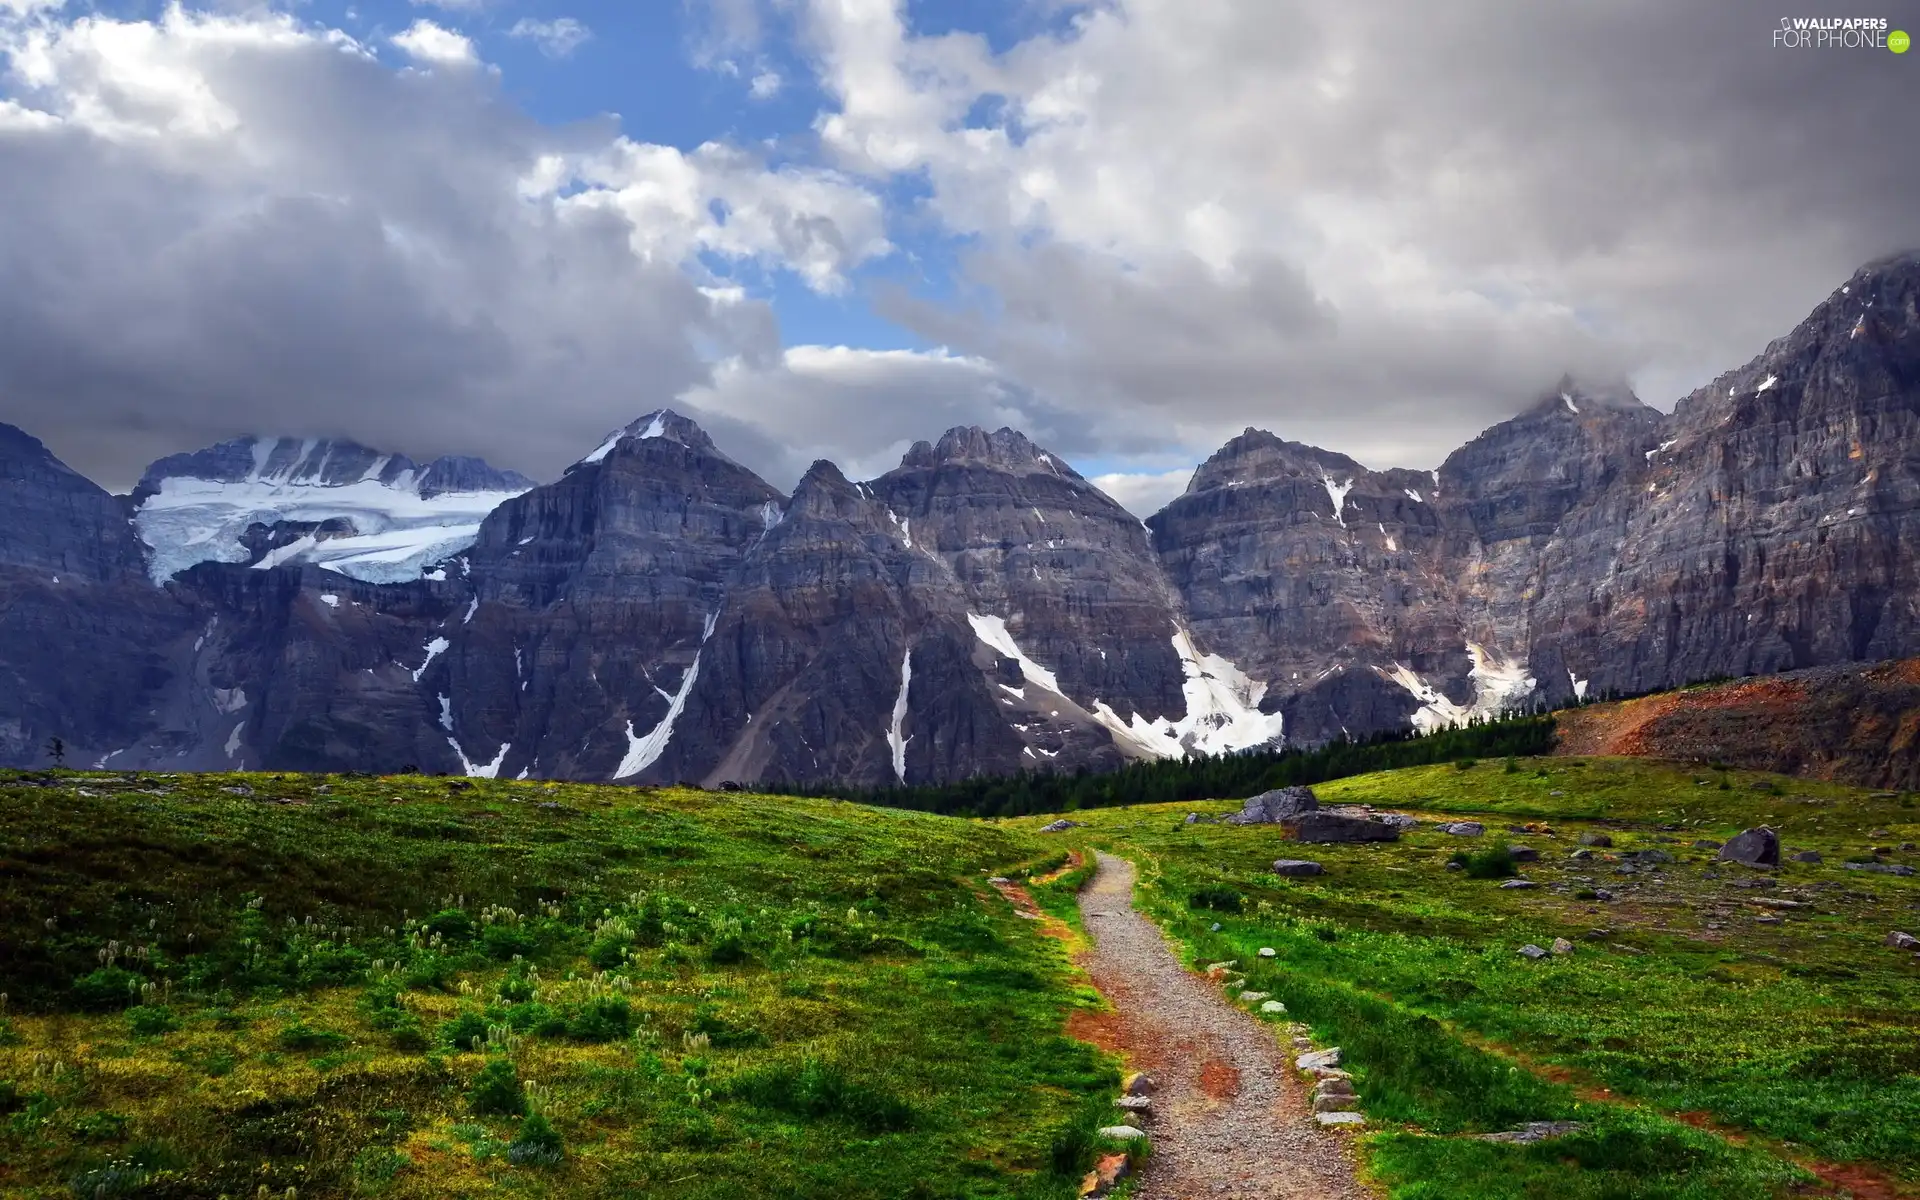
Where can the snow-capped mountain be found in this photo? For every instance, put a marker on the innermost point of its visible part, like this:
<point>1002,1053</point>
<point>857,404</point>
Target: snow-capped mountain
<point>268,502</point>
<point>661,613</point>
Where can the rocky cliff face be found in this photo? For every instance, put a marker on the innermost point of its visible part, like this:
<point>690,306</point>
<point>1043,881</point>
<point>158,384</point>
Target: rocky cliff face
<point>660,613</point>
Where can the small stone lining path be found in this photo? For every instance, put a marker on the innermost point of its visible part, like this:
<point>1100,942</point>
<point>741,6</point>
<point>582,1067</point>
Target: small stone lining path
<point>1229,1118</point>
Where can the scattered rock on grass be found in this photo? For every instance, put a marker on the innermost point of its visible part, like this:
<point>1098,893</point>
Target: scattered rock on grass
<point>1269,808</point>
<point>1807,856</point>
<point>1340,1118</point>
<point>1757,847</point>
<point>1325,827</point>
<point>1273,1006</point>
<point>1269,952</point>
<point>1138,1084</point>
<point>1297,867</point>
<point>1105,1176</point>
<point>1562,946</point>
<point>1313,1059</point>
<point>1595,839</point>
<point>1511,884</point>
<point>1533,1131</point>
<point>1523,854</point>
<point>1532,951</point>
<point>1137,1104</point>
<point>1121,1133</point>
<point>1061,826</point>
<point>1463,828</point>
<point>1903,941</point>
<point>1880,868</point>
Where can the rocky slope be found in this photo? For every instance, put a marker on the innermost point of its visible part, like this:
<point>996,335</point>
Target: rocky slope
<point>1850,724</point>
<point>661,613</point>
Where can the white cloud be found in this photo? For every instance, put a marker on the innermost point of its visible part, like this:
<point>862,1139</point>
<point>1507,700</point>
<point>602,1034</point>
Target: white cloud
<point>861,408</point>
<point>765,85</point>
<point>557,38</point>
<point>1144,494</point>
<point>467,6</point>
<point>1211,213</point>
<point>424,41</point>
<point>218,225</point>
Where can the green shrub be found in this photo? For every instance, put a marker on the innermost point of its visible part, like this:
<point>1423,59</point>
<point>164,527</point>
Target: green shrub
<point>823,1091</point>
<point>516,988</point>
<point>608,953</point>
<point>304,1038</point>
<point>458,1034</point>
<point>106,988</point>
<point>428,973</point>
<point>1466,764</point>
<point>729,949</point>
<point>502,942</point>
<point>537,1144</point>
<point>496,1091</point>
<point>1512,767</point>
<point>408,1034</point>
<point>151,1020</point>
<point>1218,899</point>
<point>1493,863</point>
<point>452,924</point>
<point>606,1019</point>
<point>101,1127</point>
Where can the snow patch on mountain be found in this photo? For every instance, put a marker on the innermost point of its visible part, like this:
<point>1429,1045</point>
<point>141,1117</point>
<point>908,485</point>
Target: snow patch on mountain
<point>895,736</point>
<point>993,631</point>
<point>1337,492</point>
<point>1499,686</point>
<point>1223,711</point>
<point>480,770</point>
<point>380,525</point>
<point>643,750</point>
<point>434,649</point>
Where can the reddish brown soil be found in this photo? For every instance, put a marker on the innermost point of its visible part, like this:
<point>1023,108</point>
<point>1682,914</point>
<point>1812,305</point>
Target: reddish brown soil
<point>1219,1080</point>
<point>1852,724</point>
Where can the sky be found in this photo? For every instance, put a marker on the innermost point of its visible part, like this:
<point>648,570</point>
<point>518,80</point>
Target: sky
<point>830,228</point>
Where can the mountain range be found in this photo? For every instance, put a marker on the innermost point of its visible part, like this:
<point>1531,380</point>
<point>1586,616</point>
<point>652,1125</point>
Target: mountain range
<point>660,613</point>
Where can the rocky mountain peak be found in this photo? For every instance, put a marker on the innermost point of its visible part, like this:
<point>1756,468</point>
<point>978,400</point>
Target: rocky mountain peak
<point>1257,456</point>
<point>662,423</point>
<point>1576,398</point>
<point>54,520</point>
<point>1008,449</point>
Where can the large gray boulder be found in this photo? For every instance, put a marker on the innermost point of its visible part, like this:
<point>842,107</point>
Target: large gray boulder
<point>1758,847</point>
<point>1270,808</point>
<point>1332,827</point>
<point>1296,867</point>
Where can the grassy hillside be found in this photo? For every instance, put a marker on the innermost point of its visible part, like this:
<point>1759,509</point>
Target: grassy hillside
<point>409,987</point>
<point>1775,1010</point>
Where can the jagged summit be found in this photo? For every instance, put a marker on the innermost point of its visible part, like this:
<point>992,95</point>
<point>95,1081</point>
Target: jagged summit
<point>1574,398</point>
<point>1257,456</point>
<point>325,462</point>
<point>1005,448</point>
<point>663,423</point>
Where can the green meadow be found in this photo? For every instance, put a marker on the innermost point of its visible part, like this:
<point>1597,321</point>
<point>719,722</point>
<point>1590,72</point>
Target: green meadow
<point>328,986</point>
<point>1699,998</point>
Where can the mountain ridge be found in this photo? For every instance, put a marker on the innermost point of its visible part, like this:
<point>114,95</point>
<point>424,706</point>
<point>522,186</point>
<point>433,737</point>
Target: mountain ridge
<point>660,612</point>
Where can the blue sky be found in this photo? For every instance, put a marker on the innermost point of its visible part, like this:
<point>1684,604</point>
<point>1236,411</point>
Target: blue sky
<point>828,228</point>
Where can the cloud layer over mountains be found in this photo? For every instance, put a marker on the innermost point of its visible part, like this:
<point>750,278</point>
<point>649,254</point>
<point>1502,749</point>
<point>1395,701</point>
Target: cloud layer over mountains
<point>1132,228</point>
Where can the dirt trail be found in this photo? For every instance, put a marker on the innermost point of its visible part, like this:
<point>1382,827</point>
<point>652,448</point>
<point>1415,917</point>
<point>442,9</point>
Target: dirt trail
<point>1229,1119</point>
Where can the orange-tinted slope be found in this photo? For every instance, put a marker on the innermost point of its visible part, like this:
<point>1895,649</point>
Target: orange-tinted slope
<point>1854,724</point>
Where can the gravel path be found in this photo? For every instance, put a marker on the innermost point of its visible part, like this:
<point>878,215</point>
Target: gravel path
<point>1229,1118</point>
